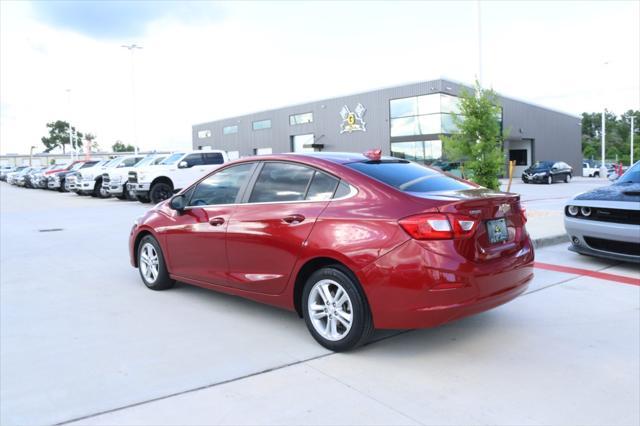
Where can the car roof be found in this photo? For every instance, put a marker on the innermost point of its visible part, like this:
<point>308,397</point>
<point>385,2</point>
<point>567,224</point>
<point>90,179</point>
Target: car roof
<point>334,157</point>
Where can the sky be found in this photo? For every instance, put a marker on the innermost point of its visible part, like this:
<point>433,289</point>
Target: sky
<point>202,61</point>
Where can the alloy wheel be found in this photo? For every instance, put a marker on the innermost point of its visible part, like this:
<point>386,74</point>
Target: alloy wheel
<point>330,310</point>
<point>149,263</point>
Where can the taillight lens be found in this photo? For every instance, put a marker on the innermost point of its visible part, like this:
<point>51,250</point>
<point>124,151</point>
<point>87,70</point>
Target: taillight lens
<point>523,213</point>
<point>439,226</point>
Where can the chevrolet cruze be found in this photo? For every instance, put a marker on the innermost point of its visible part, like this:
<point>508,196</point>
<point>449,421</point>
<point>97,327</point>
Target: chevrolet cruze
<point>351,242</point>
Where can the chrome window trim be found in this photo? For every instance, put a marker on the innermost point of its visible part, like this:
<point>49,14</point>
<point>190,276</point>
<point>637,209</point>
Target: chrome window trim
<point>352,192</point>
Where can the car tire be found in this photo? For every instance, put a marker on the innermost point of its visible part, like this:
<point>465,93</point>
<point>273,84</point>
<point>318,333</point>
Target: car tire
<point>159,192</point>
<point>567,178</point>
<point>596,174</point>
<point>328,323</point>
<point>123,195</point>
<point>549,180</point>
<point>151,265</point>
<point>143,198</point>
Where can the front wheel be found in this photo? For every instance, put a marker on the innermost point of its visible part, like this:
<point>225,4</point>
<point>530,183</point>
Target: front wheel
<point>153,269</point>
<point>160,191</point>
<point>596,174</point>
<point>335,310</point>
<point>549,180</point>
<point>567,178</point>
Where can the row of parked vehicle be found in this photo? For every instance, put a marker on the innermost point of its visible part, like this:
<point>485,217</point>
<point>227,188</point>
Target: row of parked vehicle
<point>146,178</point>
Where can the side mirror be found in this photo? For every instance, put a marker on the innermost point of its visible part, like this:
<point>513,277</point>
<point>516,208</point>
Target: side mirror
<point>178,203</point>
<point>183,165</point>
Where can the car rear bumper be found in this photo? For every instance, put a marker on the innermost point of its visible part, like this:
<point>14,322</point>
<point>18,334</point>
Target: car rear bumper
<point>412,287</point>
<point>612,239</point>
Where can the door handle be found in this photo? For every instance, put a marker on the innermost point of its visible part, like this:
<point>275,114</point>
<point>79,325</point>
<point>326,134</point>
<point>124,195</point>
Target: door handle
<point>293,219</point>
<point>216,221</point>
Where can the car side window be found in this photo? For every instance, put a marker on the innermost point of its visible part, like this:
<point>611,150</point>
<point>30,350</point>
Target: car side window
<point>322,187</point>
<point>213,158</point>
<point>194,160</point>
<point>343,190</point>
<point>281,182</point>
<point>129,162</point>
<point>221,187</point>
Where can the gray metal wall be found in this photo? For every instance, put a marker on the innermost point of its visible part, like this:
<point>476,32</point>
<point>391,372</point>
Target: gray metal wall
<point>556,135</point>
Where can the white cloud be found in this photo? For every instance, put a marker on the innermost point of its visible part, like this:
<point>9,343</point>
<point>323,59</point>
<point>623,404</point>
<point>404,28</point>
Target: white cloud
<point>264,55</point>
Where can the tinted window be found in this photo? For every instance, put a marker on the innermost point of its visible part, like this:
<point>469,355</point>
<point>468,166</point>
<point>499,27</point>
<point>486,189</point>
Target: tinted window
<point>221,187</point>
<point>631,176</point>
<point>281,182</point>
<point>213,158</point>
<point>194,160</point>
<point>89,164</point>
<point>322,187</point>
<point>343,190</point>
<point>173,158</point>
<point>408,177</point>
<point>130,162</point>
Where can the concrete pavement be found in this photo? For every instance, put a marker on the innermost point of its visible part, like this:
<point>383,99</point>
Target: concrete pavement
<point>82,339</point>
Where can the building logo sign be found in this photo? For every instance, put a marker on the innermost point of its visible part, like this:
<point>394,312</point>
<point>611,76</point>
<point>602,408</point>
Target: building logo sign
<point>353,121</point>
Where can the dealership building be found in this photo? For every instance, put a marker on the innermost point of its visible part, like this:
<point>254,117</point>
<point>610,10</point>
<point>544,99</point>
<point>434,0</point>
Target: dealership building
<point>406,121</point>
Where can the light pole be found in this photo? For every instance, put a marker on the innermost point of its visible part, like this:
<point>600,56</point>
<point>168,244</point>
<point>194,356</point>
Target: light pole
<point>603,133</point>
<point>31,154</point>
<point>479,28</point>
<point>70,131</point>
<point>631,154</point>
<point>132,48</point>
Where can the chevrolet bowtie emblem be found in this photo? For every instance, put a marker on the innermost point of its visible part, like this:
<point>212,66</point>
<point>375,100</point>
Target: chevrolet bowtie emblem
<point>504,208</point>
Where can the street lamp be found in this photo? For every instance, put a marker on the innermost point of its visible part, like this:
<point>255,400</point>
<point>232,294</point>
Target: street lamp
<point>132,48</point>
<point>603,133</point>
<point>70,131</point>
<point>31,154</point>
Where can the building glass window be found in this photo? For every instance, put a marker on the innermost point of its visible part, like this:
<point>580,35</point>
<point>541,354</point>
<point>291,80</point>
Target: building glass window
<point>303,118</point>
<point>405,107</point>
<point>204,134</point>
<point>229,130</point>
<point>406,126</point>
<point>430,124</point>
<point>449,104</point>
<point>420,151</point>
<point>262,124</point>
<point>262,151</point>
<point>429,104</point>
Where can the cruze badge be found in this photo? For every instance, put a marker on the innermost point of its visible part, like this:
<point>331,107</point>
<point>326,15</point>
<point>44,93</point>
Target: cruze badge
<point>504,208</point>
<point>353,120</point>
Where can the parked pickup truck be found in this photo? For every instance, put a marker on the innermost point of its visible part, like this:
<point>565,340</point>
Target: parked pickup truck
<point>177,171</point>
<point>89,181</point>
<point>114,180</point>
<point>589,170</point>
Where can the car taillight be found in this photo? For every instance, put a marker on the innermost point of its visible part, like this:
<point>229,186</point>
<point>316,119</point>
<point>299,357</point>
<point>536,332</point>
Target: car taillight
<point>439,226</point>
<point>523,213</point>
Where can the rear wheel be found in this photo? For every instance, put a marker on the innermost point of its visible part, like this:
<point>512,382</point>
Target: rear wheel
<point>160,191</point>
<point>151,265</point>
<point>335,310</point>
<point>596,174</point>
<point>567,178</point>
<point>143,198</point>
<point>549,180</point>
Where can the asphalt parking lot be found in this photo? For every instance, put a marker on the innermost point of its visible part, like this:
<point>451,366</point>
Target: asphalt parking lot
<point>83,341</point>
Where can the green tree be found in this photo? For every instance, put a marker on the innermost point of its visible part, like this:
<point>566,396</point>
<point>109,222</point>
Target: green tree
<point>91,141</point>
<point>618,138</point>
<point>478,141</point>
<point>120,147</point>
<point>59,136</point>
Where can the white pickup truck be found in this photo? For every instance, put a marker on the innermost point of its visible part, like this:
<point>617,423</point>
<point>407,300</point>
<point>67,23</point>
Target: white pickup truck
<point>590,171</point>
<point>114,181</point>
<point>177,171</point>
<point>89,181</point>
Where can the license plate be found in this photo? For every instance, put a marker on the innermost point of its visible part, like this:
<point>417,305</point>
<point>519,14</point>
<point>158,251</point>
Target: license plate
<point>497,230</point>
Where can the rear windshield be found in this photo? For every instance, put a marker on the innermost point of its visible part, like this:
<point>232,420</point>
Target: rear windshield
<point>173,158</point>
<point>408,177</point>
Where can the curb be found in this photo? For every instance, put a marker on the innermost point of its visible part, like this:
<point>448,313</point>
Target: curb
<point>550,241</point>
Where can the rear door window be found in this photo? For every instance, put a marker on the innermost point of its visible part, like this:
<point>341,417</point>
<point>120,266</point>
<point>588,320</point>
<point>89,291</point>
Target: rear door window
<point>194,160</point>
<point>408,177</point>
<point>213,158</point>
<point>281,182</point>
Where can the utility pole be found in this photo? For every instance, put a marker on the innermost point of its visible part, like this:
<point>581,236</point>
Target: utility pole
<point>132,48</point>
<point>603,167</point>
<point>632,131</point>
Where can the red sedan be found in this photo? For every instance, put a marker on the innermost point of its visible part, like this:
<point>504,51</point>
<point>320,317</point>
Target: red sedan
<point>351,242</point>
